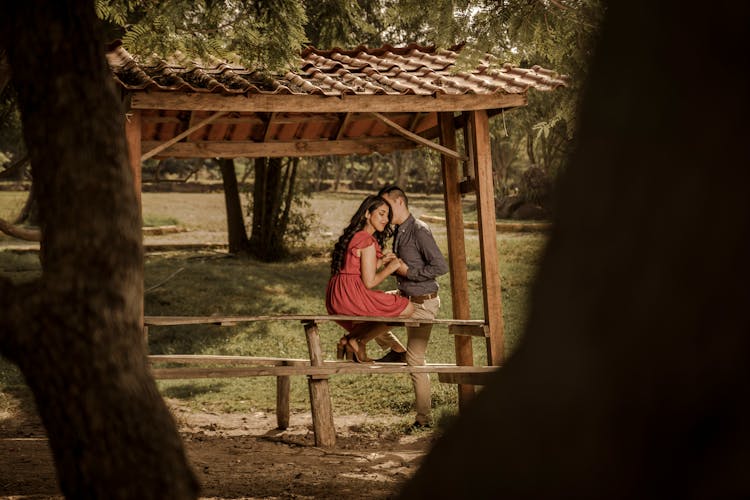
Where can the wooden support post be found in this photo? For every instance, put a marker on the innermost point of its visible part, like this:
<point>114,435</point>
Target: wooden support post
<point>133,139</point>
<point>493,306</point>
<point>456,249</point>
<point>320,395</point>
<point>471,153</point>
<point>283,384</point>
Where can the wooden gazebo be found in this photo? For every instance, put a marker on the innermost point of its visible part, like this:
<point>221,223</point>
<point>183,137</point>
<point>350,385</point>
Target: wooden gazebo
<point>342,102</point>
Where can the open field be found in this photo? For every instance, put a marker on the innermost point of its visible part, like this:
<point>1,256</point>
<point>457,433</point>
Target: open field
<point>370,411</point>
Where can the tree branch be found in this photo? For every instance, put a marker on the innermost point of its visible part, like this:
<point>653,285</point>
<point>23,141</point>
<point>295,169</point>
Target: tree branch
<point>19,232</point>
<point>14,168</point>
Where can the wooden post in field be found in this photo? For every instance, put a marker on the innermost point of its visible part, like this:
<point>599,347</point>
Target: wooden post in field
<point>479,135</point>
<point>283,384</point>
<point>456,249</point>
<point>320,395</point>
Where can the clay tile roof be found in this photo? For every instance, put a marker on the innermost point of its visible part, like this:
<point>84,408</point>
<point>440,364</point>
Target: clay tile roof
<point>412,69</point>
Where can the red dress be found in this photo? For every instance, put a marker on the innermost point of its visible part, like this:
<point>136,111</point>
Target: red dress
<point>347,294</point>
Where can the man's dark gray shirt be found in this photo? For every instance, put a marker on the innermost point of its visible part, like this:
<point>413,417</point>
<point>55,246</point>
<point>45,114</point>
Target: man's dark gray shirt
<point>415,245</point>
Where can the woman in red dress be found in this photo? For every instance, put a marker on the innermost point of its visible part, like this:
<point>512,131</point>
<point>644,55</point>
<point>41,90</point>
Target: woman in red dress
<point>357,265</point>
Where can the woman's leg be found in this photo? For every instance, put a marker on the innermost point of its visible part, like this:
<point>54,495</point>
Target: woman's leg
<point>361,335</point>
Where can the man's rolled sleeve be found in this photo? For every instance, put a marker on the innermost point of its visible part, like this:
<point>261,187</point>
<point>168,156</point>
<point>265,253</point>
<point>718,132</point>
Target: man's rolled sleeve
<point>435,264</point>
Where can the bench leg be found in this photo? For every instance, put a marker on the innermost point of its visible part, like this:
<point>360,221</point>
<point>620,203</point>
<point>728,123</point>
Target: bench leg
<point>322,412</point>
<point>320,395</point>
<point>282,402</point>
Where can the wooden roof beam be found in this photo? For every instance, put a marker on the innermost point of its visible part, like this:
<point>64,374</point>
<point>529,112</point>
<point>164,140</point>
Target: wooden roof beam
<point>250,149</point>
<point>292,103</point>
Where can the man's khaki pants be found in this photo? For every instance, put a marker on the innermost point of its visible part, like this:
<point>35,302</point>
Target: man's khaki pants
<point>416,347</point>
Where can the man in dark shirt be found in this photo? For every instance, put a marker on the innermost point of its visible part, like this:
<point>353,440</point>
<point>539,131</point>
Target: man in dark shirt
<point>422,264</point>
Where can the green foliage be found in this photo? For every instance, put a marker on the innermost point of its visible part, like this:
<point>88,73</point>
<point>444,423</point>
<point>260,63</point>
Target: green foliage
<point>337,23</point>
<point>12,144</point>
<point>266,34</point>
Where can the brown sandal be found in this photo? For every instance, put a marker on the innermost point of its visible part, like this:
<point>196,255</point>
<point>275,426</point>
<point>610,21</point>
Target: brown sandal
<point>341,347</point>
<point>358,353</point>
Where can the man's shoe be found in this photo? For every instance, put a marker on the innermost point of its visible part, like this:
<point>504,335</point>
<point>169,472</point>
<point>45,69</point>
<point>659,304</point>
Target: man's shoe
<point>392,357</point>
<point>417,426</point>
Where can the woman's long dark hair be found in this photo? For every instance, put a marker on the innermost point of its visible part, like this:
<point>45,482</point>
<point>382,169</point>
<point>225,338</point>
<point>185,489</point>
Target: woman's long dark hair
<point>369,205</point>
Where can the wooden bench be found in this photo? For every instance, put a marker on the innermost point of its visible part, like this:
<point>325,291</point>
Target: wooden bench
<point>317,369</point>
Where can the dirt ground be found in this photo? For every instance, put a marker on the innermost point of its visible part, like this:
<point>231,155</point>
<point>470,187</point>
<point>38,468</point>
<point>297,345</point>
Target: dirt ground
<point>243,456</point>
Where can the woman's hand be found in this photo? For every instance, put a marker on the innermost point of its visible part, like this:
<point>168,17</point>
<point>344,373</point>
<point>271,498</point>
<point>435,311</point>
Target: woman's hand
<point>386,258</point>
<point>393,265</point>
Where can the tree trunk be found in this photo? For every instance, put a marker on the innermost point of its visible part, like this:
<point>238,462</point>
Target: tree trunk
<point>238,242</point>
<point>268,228</point>
<point>76,334</point>
<point>339,162</point>
<point>530,148</point>
<point>633,375</point>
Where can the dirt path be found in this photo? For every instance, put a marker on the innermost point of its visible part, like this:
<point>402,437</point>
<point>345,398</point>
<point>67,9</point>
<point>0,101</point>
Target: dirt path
<point>243,456</point>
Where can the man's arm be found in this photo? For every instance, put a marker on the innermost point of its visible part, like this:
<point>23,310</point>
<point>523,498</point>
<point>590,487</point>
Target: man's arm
<point>434,262</point>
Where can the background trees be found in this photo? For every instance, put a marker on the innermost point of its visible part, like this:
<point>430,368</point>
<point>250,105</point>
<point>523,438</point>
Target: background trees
<point>529,143</point>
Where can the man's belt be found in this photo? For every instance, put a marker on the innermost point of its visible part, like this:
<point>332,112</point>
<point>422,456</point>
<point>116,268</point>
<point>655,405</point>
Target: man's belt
<point>419,299</point>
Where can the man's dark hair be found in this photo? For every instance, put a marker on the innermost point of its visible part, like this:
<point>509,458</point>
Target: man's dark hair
<point>396,191</point>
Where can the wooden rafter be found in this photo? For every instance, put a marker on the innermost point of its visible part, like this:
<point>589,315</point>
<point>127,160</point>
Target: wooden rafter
<point>418,139</point>
<point>415,119</point>
<point>342,126</point>
<point>164,145</point>
<point>267,127</point>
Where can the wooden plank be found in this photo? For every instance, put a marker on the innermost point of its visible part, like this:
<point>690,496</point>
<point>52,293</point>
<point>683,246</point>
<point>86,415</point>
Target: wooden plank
<point>454,221</point>
<point>493,305</point>
<point>469,331</point>
<point>482,378</point>
<point>218,359</point>
<point>327,369</point>
<point>216,320</point>
<point>250,149</point>
<point>419,139</point>
<point>320,395</point>
<point>162,146</point>
<point>322,104</point>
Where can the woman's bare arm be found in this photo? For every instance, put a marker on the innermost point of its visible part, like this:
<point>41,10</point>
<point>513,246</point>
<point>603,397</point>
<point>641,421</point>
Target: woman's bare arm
<point>368,267</point>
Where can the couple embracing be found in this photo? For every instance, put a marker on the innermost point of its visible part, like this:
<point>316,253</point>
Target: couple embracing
<point>359,263</point>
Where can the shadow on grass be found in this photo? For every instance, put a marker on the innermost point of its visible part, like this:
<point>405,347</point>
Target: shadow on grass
<point>190,390</point>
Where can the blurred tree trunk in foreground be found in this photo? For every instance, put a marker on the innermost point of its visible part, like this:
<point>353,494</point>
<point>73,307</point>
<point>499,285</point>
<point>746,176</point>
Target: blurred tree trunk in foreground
<point>76,333</point>
<point>632,378</point>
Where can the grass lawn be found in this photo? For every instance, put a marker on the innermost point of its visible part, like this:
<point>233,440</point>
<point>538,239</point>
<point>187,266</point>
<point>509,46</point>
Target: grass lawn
<point>212,282</point>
